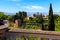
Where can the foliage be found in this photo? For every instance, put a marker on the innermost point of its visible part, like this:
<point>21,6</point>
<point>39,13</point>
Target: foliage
<point>42,22</point>
<point>10,18</point>
<point>56,16</point>
<point>51,24</point>
<point>24,38</point>
<point>39,18</point>
<point>30,27</point>
<point>6,17</point>
<point>2,15</point>
<point>32,19</point>
<point>20,15</point>
<point>31,38</point>
<point>34,15</point>
<point>11,24</point>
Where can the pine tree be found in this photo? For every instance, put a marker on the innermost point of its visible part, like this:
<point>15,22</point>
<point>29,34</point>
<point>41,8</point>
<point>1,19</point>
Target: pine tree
<point>51,24</point>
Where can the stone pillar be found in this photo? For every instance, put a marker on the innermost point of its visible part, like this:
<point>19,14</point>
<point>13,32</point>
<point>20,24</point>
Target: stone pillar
<point>16,24</point>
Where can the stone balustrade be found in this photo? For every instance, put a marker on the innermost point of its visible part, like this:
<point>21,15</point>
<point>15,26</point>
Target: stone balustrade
<point>17,33</point>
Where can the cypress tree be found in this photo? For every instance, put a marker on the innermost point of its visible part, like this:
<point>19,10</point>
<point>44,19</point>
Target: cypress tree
<point>51,24</point>
<point>42,22</point>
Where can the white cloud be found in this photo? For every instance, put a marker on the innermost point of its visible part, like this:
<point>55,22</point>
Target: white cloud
<point>33,7</point>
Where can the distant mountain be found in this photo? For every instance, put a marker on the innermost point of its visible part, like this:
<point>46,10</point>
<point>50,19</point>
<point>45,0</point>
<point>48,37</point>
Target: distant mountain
<point>31,13</point>
<point>44,13</point>
<point>57,13</point>
<point>7,13</point>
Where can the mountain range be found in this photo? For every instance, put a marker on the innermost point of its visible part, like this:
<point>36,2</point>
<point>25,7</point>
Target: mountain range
<point>31,13</point>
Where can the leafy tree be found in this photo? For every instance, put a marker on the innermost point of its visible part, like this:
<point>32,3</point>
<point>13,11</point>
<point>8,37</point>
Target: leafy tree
<point>4,16</point>
<point>42,22</point>
<point>39,18</point>
<point>10,18</point>
<point>56,17</point>
<point>1,15</point>
<point>21,15</point>
<point>34,15</point>
<point>51,24</point>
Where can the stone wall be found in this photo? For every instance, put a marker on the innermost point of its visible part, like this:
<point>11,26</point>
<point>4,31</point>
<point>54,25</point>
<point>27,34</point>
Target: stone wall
<point>18,33</point>
<point>3,30</point>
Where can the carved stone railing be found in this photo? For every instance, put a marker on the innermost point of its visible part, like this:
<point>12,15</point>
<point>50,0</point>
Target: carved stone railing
<point>17,33</point>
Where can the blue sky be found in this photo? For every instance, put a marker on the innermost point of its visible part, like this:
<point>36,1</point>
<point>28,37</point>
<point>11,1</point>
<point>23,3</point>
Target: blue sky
<point>29,5</point>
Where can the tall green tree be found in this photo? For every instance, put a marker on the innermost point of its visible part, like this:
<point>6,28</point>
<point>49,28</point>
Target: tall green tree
<point>21,15</point>
<point>56,16</point>
<point>51,24</point>
<point>39,19</point>
<point>42,22</point>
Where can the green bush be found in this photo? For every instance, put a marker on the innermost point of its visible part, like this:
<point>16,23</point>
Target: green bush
<point>11,25</point>
<point>23,38</point>
<point>30,27</point>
